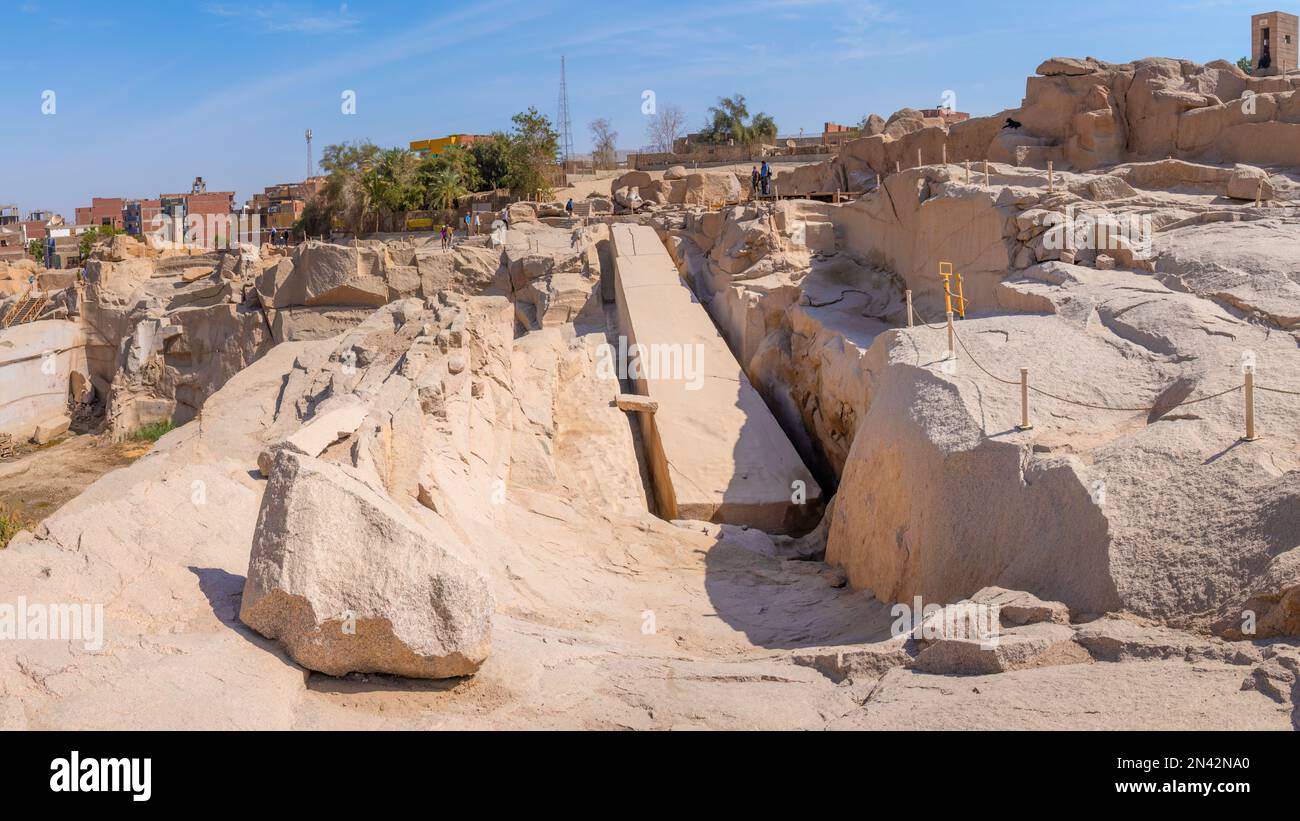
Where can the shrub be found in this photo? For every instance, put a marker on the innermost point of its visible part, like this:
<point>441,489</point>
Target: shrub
<point>10,523</point>
<point>155,431</point>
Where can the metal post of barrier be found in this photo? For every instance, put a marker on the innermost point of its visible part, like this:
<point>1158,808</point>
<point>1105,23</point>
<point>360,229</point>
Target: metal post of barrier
<point>1025,424</point>
<point>945,153</point>
<point>945,273</point>
<point>898,167</point>
<point>918,158</point>
<point>968,172</point>
<point>1051,178</point>
<point>909,308</point>
<point>986,173</point>
<point>1250,406</point>
<point>1259,195</point>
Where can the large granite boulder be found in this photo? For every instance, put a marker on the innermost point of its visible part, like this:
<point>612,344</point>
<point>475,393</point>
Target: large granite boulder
<point>711,188</point>
<point>348,582</point>
<point>1248,183</point>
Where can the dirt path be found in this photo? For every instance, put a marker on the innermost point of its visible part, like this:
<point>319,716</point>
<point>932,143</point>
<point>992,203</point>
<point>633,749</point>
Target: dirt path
<point>40,481</point>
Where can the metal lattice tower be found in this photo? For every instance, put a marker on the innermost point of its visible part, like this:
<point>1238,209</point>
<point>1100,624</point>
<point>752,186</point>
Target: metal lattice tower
<point>563,121</point>
<point>309,157</point>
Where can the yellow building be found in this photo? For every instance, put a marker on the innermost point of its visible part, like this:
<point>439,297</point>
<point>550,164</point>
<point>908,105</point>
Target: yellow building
<point>432,148</point>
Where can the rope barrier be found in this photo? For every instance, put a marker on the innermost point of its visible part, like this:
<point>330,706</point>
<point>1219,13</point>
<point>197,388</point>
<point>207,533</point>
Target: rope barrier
<point>1089,405</point>
<point>1277,390</point>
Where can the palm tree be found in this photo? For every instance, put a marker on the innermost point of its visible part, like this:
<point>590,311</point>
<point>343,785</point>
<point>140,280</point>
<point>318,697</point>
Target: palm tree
<point>445,188</point>
<point>347,193</point>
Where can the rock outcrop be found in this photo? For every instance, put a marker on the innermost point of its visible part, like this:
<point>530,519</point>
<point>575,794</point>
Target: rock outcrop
<point>1087,114</point>
<point>348,583</point>
<point>1064,510</point>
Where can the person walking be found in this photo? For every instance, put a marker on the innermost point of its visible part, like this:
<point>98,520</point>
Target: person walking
<point>765,174</point>
<point>753,184</point>
<point>568,206</point>
<point>478,226</point>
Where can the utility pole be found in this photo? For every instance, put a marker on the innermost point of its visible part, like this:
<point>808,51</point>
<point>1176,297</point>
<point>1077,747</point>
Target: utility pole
<point>310,165</point>
<point>564,122</point>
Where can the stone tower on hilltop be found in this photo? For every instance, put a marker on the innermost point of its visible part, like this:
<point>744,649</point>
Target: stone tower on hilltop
<point>1274,43</point>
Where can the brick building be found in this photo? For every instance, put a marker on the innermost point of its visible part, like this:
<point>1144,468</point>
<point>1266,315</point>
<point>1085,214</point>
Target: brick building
<point>103,211</point>
<point>204,214</point>
<point>280,206</point>
<point>139,216</point>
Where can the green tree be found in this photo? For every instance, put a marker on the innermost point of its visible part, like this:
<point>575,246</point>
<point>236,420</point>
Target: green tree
<point>37,250</point>
<point>345,195</point>
<point>762,128</point>
<point>454,160</point>
<point>87,242</point>
<point>392,181</point>
<point>1246,65</point>
<point>316,220</point>
<point>729,121</point>
<point>350,157</point>
<point>492,160</point>
<point>534,146</point>
<point>445,189</point>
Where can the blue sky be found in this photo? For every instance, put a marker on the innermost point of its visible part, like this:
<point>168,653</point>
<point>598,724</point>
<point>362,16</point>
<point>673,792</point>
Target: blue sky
<point>149,95</point>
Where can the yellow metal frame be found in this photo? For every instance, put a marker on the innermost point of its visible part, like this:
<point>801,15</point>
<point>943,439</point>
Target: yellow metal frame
<point>947,273</point>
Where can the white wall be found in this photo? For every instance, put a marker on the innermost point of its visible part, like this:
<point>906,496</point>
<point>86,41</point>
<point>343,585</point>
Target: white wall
<point>36,363</point>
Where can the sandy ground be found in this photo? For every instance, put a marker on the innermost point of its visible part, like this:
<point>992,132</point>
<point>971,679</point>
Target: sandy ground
<point>41,480</point>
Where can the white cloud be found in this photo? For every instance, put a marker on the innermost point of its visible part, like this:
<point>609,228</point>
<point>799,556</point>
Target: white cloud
<point>285,18</point>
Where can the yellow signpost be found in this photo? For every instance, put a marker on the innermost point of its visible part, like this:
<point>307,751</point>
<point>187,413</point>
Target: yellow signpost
<point>947,273</point>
